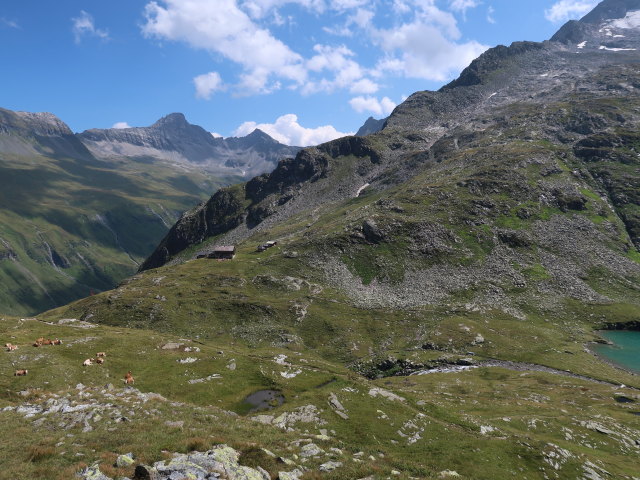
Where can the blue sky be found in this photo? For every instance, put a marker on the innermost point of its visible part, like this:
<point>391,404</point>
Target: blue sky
<point>305,71</point>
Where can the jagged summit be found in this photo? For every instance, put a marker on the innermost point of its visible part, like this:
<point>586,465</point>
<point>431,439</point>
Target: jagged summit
<point>371,126</point>
<point>172,119</point>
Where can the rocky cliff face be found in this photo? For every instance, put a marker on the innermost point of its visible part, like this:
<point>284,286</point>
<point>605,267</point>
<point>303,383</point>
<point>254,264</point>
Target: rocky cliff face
<point>175,140</point>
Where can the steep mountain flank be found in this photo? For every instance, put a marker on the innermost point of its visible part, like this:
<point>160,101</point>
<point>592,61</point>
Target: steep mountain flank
<point>172,139</point>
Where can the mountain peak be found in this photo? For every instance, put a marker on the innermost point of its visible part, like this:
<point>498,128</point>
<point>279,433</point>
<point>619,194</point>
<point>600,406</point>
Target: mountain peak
<point>172,120</point>
<point>258,134</point>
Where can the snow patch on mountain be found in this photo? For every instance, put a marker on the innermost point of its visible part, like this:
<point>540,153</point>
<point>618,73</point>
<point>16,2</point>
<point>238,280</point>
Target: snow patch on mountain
<point>631,20</point>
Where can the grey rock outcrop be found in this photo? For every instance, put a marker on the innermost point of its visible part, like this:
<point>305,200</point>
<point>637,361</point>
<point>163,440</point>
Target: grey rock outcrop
<point>371,126</point>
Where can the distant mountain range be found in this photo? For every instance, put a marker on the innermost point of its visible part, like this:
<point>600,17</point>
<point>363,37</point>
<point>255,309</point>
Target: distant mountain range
<point>173,139</point>
<point>79,212</point>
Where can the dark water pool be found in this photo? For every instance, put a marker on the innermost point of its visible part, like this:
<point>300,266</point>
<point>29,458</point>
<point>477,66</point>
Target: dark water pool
<point>262,400</point>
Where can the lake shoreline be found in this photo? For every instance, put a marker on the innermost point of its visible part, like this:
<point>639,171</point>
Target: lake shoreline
<point>589,348</point>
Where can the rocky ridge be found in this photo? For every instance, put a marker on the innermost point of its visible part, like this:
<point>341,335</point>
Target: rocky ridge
<point>175,140</point>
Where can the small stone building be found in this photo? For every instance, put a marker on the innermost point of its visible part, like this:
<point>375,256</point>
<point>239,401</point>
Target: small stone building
<point>224,252</point>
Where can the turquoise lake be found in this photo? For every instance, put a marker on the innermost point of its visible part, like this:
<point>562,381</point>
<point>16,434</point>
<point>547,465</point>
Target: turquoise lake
<point>625,351</point>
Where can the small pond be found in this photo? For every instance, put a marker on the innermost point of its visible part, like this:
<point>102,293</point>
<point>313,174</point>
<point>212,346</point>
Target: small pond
<point>262,400</point>
<point>625,350</point>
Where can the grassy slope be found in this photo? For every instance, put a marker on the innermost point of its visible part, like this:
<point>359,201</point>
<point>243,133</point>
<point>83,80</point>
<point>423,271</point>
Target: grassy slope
<point>56,202</point>
<point>535,415</point>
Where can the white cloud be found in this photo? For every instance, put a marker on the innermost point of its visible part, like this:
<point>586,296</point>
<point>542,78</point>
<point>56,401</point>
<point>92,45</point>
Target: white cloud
<point>260,8</point>
<point>207,83</point>
<point>120,125</point>
<point>84,25</point>
<point>287,130</point>
<point>490,12</point>
<point>364,86</point>
<point>422,50</point>
<point>223,28</point>
<point>216,135</point>
<point>347,73</point>
<point>463,5</point>
<point>423,43</point>
<point>564,10</point>
<point>346,4</point>
<point>371,104</point>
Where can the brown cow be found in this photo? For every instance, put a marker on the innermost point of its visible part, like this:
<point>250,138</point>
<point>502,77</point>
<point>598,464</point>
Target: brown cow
<point>48,341</point>
<point>40,340</point>
<point>99,360</point>
<point>128,378</point>
<point>101,354</point>
<point>56,342</point>
<point>37,344</point>
<point>20,373</point>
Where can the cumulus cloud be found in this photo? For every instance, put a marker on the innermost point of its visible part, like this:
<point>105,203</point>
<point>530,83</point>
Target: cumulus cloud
<point>564,10</point>
<point>231,29</point>
<point>287,130</point>
<point>371,104</point>
<point>422,50</point>
<point>426,44</point>
<point>207,83</point>
<point>223,28</point>
<point>84,26</point>
<point>120,125</point>
<point>347,73</point>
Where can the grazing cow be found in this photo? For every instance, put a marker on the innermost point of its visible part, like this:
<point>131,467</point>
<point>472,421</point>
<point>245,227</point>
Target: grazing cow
<point>87,362</point>
<point>101,354</point>
<point>56,342</point>
<point>20,373</point>
<point>99,360</point>
<point>11,348</point>
<point>128,378</point>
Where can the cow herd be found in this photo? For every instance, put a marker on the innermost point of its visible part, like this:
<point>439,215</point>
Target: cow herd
<point>99,358</point>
